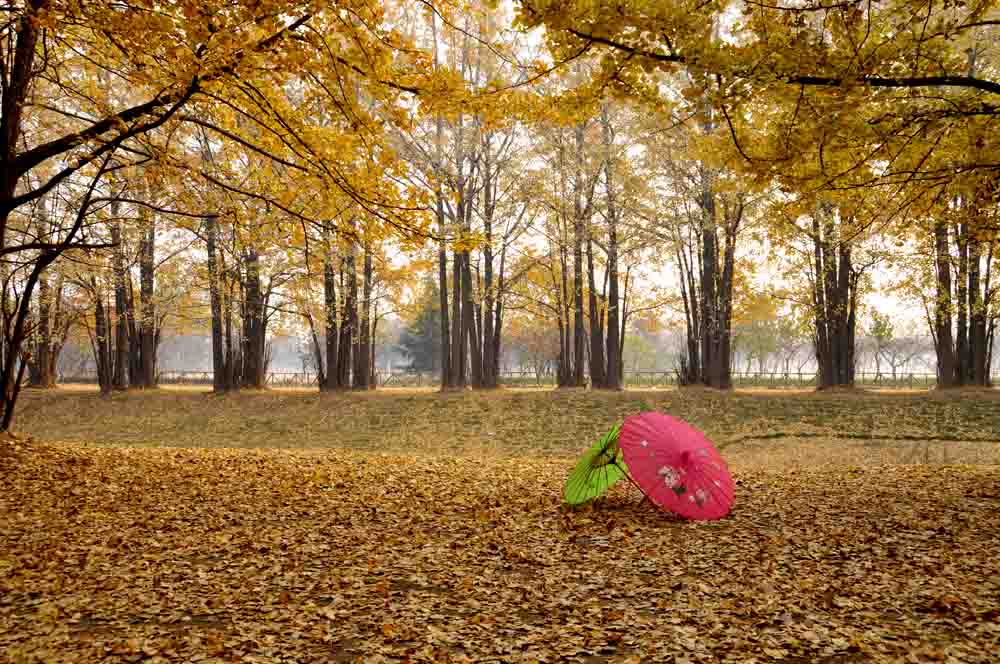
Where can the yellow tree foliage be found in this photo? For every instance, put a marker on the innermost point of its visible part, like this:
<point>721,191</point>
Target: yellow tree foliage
<point>900,94</point>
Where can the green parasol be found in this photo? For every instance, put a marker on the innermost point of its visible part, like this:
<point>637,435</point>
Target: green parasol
<point>598,470</point>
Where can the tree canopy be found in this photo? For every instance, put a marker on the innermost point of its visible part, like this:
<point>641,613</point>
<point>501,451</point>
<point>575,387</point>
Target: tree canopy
<point>586,164</point>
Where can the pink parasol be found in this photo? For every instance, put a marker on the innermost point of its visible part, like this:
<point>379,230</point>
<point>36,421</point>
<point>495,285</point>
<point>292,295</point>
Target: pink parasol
<point>676,466</point>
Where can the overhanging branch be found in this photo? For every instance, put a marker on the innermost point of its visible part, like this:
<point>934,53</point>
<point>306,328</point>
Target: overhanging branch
<point>972,82</point>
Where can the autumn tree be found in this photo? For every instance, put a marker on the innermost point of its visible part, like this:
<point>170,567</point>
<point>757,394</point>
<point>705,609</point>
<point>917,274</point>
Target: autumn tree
<point>157,64</point>
<point>829,83</point>
<point>467,157</point>
<point>699,214</point>
<point>840,116</point>
<point>74,144</point>
<point>567,187</point>
<point>946,265</point>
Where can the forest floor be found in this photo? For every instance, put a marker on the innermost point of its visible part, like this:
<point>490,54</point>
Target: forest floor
<point>413,526</point>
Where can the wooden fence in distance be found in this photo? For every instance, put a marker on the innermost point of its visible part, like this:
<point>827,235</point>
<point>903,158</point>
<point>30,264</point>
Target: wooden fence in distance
<point>527,379</point>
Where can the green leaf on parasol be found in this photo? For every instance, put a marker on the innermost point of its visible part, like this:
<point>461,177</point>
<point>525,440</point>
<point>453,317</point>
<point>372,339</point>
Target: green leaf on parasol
<point>599,468</point>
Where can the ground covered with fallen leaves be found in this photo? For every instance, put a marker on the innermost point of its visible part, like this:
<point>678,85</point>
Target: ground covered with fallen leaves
<point>877,548</point>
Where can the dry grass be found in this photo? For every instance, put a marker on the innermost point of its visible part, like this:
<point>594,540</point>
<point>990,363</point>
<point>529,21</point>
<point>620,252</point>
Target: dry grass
<point>754,428</point>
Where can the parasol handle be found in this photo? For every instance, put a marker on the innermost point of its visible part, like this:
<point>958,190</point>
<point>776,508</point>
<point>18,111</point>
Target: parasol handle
<point>628,476</point>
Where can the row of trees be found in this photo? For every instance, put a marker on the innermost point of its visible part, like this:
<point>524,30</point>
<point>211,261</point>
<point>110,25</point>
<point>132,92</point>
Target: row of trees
<point>762,342</point>
<point>252,167</point>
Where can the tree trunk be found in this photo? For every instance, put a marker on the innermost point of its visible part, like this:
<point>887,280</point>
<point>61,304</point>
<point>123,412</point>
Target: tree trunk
<point>566,372</point>
<point>734,218</point>
<point>978,368</point>
<point>597,361</point>
<point>711,367</point>
<point>331,373</point>
<point>447,376</point>
<point>498,317</point>
<point>835,301</point>
<point>15,363</point>
<point>962,298</point>
<point>147,321</point>
<point>613,372</point>
<point>846,294</point>
<point>134,359</point>
<point>944,344</point>
<point>621,332</point>
<point>715,300</point>
<point>497,336</point>
<point>689,371</point>
<point>234,357</point>
<point>489,378</point>
<point>318,353</point>
<point>981,198</point>
<point>447,370</point>
<point>372,374</point>
<point>21,40</point>
<point>41,329</point>
<point>349,317</point>
<point>821,328</point>
<point>457,364</point>
<point>4,313</point>
<point>40,369</point>
<point>578,235</point>
<point>470,337</point>
<point>254,365</point>
<point>121,345</point>
<point>564,369</point>
<point>362,369</point>
<point>102,342</point>
<point>219,382</point>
